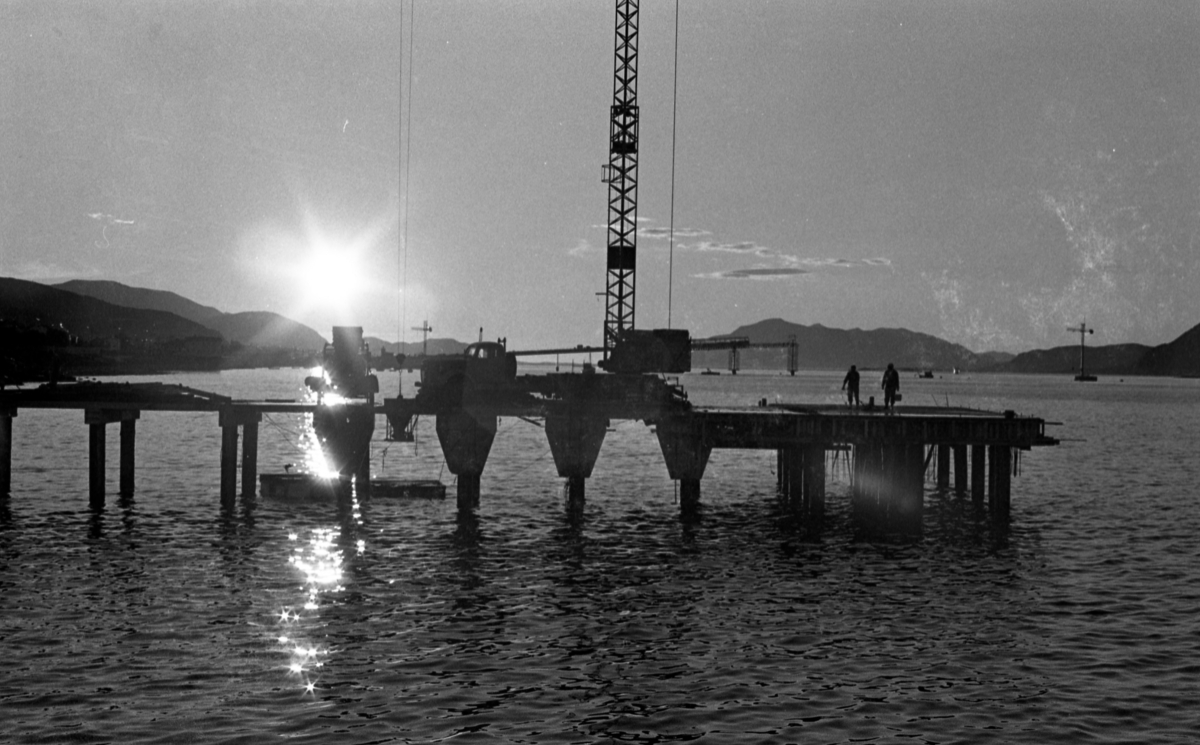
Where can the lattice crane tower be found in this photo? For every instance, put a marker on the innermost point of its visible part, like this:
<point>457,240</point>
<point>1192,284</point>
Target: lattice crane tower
<point>620,173</point>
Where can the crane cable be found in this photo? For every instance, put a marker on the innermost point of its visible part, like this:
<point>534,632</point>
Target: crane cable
<point>674,102</point>
<point>404,172</point>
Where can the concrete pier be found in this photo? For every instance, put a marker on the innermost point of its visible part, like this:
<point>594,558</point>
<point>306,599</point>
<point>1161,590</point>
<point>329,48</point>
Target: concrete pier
<point>891,452</point>
<point>466,442</point>
<point>685,450</point>
<point>575,439</point>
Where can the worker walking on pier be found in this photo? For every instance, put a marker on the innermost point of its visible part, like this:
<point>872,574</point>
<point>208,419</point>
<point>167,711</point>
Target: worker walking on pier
<point>891,384</point>
<point>850,386</point>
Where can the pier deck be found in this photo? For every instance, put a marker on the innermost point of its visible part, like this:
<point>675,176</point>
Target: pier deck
<point>892,450</point>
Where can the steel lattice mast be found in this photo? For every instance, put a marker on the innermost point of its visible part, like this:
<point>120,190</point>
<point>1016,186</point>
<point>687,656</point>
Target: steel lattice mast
<point>621,175</point>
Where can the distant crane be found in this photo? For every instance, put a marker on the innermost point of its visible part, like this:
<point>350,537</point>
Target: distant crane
<point>424,328</point>
<point>1083,329</point>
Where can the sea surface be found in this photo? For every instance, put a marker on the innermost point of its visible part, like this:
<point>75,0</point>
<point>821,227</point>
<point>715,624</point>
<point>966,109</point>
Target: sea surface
<point>162,619</point>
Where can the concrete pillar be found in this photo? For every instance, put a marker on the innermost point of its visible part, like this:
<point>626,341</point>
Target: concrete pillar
<point>943,466</point>
<point>466,443</point>
<point>6,417</point>
<point>128,440</point>
<point>575,440</point>
<point>686,454</point>
<point>978,471</point>
<point>960,469</point>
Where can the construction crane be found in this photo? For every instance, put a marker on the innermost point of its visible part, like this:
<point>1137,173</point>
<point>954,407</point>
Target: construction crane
<point>627,350</point>
<point>620,173</point>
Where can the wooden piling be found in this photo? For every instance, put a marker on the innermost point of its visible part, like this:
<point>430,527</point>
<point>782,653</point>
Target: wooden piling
<point>96,465</point>
<point>249,458</point>
<point>999,480</point>
<point>128,439</point>
<point>6,417</point>
<point>978,472</point>
<point>943,466</point>
<point>814,481</point>
<point>229,442</point>
<point>960,469</point>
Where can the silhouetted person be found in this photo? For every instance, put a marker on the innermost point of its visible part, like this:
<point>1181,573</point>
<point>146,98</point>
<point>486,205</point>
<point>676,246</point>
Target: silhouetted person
<point>891,384</point>
<point>850,386</point>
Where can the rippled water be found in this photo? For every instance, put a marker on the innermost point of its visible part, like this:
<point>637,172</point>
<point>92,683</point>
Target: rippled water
<point>161,619</point>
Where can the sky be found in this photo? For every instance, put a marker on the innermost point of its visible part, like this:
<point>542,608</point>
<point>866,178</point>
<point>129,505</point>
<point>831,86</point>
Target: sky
<point>989,172</point>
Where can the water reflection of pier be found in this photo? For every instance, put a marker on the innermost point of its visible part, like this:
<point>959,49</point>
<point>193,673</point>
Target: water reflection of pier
<point>890,452</point>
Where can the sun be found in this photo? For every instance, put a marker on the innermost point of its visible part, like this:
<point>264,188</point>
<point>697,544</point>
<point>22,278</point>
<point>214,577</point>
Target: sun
<point>331,276</point>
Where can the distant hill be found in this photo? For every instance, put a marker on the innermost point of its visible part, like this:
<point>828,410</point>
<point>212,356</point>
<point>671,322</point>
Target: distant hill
<point>823,348</point>
<point>256,328</point>
<point>266,329</point>
<point>1109,359</point>
<point>1179,357</point>
<point>139,297</point>
<point>89,318</point>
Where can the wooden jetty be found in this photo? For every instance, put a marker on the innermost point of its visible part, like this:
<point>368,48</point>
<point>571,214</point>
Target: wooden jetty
<point>123,403</point>
<point>891,451</point>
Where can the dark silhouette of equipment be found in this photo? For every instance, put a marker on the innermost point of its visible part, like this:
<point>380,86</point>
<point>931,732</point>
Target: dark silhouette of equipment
<point>627,350</point>
<point>1082,329</point>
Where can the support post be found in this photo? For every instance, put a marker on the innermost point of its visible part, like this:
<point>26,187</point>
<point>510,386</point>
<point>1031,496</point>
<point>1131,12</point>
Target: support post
<point>793,459</point>
<point>686,453</point>
<point>6,417</point>
<point>1000,479</point>
<point>912,507</point>
<point>128,440</point>
<point>943,466</point>
<point>814,480</point>
<point>96,465</point>
<point>229,442</point>
<point>97,419</point>
<point>978,471</point>
<point>362,477</point>
<point>575,439</point>
<point>466,443</point>
<point>249,458</point>
<point>960,469</point>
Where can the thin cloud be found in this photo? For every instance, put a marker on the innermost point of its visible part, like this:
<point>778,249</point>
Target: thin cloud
<point>781,272</point>
<point>742,247</point>
<point>835,262</point>
<point>666,232</point>
<point>582,248</point>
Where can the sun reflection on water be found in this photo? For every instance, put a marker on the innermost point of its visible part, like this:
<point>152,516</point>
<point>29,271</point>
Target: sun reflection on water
<point>319,561</point>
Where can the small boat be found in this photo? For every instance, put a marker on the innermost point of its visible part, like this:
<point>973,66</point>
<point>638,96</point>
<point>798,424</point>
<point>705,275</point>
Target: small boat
<point>710,371</point>
<point>926,374</point>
